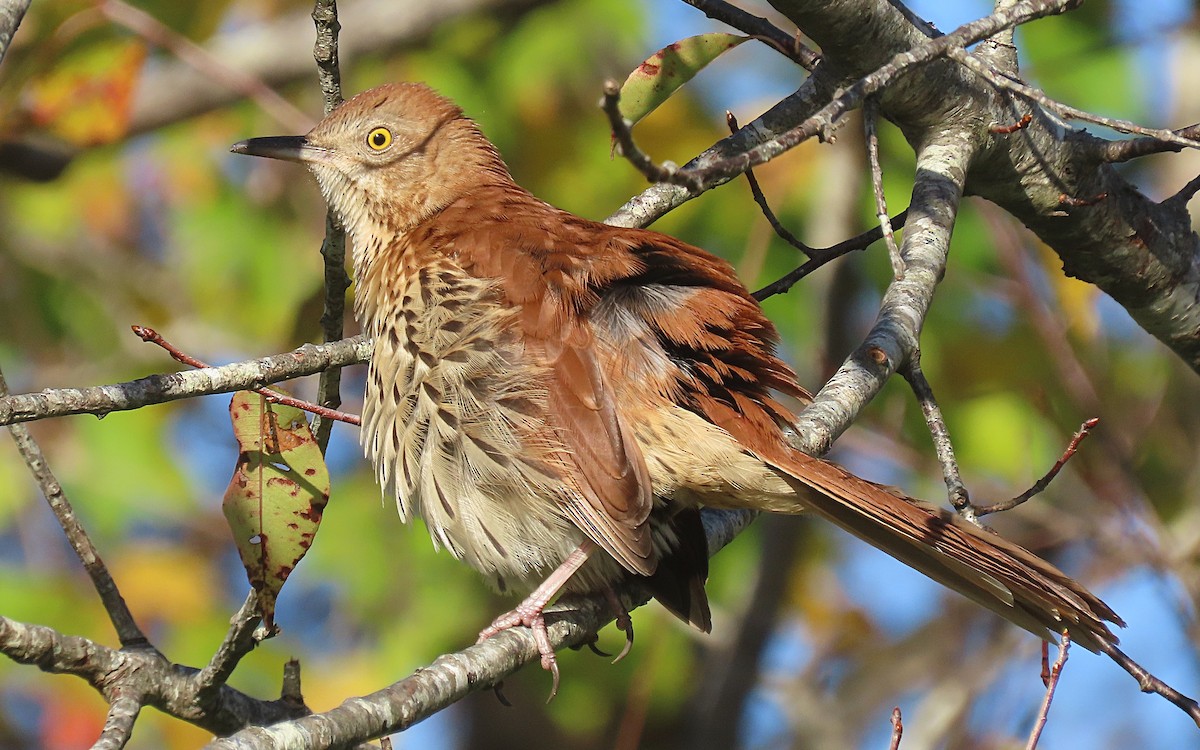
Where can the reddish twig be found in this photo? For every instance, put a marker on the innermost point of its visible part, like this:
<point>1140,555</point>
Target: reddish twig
<point>1066,200</point>
<point>1007,129</point>
<point>897,729</point>
<point>1042,483</point>
<point>1050,675</point>
<point>151,336</point>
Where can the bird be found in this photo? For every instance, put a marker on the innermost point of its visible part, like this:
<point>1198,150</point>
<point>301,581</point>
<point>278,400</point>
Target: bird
<point>557,398</point>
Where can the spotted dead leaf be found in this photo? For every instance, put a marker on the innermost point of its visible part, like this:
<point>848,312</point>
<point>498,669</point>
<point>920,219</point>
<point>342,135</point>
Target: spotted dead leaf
<point>277,495</point>
<point>661,75</point>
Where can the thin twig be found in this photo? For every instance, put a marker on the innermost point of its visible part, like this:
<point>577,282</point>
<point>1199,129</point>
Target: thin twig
<point>1134,148</point>
<point>151,336</point>
<point>291,690</point>
<point>821,256</point>
<point>622,132</point>
<point>240,640</point>
<point>826,120</point>
<point>144,671</point>
<point>1010,129</point>
<point>957,491</point>
<point>128,632</point>
<point>761,200</point>
<point>870,117</point>
<point>333,248</point>
<point>1041,484</point>
<point>759,28</point>
<point>1184,138</point>
<point>1050,678</point>
<point>211,66</point>
<point>1185,194</point>
<point>897,729</point>
<point>156,389</point>
<point>118,725</point>
<point>1148,683</point>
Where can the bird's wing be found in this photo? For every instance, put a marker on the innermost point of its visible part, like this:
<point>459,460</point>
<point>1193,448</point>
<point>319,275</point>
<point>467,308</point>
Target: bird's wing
<point>723,345</point>
<point>544,263</point>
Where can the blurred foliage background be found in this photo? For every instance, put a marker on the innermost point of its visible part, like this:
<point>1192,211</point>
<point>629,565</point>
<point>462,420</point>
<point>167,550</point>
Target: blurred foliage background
<point>816,637</point>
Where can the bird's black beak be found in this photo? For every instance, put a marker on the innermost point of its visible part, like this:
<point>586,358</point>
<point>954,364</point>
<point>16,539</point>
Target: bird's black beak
<point>286,147</point>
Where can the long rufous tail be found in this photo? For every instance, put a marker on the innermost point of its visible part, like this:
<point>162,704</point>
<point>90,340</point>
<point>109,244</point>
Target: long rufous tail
<point>1004,577</point>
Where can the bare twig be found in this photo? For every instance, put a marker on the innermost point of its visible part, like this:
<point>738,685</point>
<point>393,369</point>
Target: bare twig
<point>128,632</point>
<point>622,131</point>
<point>156,389</point>
<point>1151,684</point>
<point>333,248</point>
<point>1041,484</point>
<point>761,200</point>
<point>1185,194</point>
<point>240,640</point>
<point>897,729</point>
<point>139,672</point>
<point>1186,138</point>
<point>827,119</point>
<point>152,336</point>
<point>870,117</point>
<point>937,192</point>
<point>1050,678</point>
<point>454,675</point>
<point>118,725</point>
<point>822,256</point>
<point>759,28</point>
<point>1134,148</point>
<point>1010,129</point>
<point>957,491</point>
<point>204,62</point>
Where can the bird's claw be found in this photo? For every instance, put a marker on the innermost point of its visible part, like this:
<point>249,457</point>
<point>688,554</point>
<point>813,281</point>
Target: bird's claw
<point>623,622</point>
<point>533,619</point>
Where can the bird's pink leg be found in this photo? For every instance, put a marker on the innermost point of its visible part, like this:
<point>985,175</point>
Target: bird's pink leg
<point>529,612</point>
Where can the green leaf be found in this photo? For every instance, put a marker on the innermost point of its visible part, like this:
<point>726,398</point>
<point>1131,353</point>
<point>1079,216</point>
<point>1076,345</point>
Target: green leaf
<point>653,82</point>
<point>277,495</point>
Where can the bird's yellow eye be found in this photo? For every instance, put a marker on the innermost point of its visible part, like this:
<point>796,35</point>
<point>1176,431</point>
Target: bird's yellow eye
<point>379,139</point>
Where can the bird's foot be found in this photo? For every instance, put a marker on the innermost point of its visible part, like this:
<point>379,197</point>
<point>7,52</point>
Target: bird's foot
<point>529,616</point>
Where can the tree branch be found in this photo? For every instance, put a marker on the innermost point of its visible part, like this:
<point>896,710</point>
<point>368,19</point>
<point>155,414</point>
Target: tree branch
<point>937,189</point>
<point>128,632</point>
<point>1145,255</point>
<point>169,687</point>
<point>156,389</point>
<point>574,621</point>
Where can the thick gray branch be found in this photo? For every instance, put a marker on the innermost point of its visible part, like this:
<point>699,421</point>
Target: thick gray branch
<point>1144,254</point>
<point>142,675</point>
<point>157,389</point>
<point>937,189</point>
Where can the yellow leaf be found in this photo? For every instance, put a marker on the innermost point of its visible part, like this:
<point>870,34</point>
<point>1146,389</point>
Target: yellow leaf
<point>660,75</point>
<point>277,495</point>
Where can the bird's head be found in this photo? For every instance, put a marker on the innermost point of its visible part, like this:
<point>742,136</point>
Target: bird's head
<point>389,158</point>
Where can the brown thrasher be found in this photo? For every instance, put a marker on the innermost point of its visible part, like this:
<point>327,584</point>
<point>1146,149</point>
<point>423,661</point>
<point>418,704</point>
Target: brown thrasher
<point>557,397</point>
